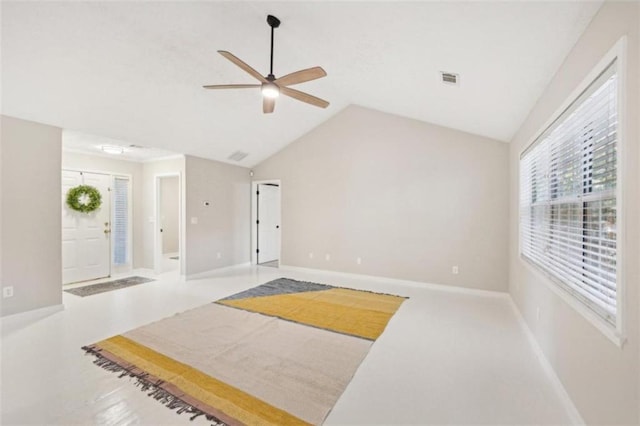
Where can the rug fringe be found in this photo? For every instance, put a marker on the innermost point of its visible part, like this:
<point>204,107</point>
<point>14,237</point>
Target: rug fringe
<point>166,398</point>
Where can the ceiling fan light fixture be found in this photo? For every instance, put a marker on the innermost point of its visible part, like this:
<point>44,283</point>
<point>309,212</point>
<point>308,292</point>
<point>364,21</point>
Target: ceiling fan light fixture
<point>270,90</point>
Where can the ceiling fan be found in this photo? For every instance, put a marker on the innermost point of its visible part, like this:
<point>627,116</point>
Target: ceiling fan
<point>271,86</point>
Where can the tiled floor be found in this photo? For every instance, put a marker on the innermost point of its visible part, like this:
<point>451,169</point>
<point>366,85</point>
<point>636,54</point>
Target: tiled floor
<point>447,357</point>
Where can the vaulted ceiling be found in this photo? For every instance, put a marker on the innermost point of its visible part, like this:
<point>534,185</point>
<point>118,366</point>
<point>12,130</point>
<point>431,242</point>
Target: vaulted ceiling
<point>133,71</point>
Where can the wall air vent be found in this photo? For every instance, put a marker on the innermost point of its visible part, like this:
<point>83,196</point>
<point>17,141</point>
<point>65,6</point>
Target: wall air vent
<point>238,156</point>
<point>450,78</point>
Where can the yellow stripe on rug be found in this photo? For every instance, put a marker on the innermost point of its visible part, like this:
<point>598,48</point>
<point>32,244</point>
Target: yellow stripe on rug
<point>233,402</point>
<point>356,313</point>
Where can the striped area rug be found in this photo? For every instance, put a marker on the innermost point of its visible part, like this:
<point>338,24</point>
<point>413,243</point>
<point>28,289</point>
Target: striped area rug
<point>278,354</point>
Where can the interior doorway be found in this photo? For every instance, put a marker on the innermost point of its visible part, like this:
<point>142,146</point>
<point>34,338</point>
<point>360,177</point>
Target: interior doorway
<point>86,241</point>
<point>167,256</point>
<point>266,223</point>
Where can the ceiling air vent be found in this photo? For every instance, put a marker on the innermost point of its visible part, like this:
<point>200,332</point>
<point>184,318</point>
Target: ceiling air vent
<point>238,156</point>
<point>450,78</point>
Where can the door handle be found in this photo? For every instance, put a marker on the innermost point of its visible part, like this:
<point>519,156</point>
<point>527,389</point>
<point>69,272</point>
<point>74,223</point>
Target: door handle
<point>107,231</point>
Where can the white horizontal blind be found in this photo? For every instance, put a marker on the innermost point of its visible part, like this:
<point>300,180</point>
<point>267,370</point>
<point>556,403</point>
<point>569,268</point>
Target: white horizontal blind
<point>120,226</point>
<point>568,211</point>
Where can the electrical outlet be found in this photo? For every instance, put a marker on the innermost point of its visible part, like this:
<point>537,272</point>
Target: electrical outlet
<point>455,270</point>
<point>327,257</point>
<point>194,220</point>
<point>310,255</point>
<point>359,261</point>
<point>7,292</point>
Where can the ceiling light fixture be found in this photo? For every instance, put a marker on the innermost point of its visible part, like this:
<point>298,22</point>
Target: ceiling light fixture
<point>109,149</point>
<point>270,90</point>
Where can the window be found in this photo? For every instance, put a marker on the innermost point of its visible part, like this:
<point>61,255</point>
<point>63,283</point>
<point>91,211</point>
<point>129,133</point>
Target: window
<point>568,201</point>
<point>120,226</point>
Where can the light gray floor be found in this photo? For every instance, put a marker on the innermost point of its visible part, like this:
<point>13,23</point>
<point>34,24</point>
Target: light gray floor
<point>446,357</point>
<point>169,264</point>
<point>272,264</point>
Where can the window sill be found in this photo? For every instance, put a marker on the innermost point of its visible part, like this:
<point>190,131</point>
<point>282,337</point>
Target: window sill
<point>594,319</point>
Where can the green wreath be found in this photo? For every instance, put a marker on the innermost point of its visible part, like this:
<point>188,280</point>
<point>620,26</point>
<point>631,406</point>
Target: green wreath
<point>84,198</point>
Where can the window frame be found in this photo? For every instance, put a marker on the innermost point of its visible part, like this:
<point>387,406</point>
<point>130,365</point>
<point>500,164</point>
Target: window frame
<point>128,264</point>
<point>615,333</point>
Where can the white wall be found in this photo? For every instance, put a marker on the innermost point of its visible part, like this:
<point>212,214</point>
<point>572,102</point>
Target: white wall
<point>411,199</point>
<point>602,379</point>
<point>170,213</point>
<point>223,226</point>
<point>85,162</point>
<point>31,215</point>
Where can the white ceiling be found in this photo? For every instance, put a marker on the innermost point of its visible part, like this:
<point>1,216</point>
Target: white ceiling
<point>73,141</point>
<point>133,71</point>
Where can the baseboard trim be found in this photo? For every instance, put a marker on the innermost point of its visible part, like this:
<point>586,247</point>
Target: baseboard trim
<point>417,284</point>
<point>211,272</point>
<point>33,313</point>
<point>562,393</point>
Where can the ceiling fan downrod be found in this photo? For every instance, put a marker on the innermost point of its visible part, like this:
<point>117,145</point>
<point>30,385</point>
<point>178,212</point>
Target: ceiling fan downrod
<point>273,23</point>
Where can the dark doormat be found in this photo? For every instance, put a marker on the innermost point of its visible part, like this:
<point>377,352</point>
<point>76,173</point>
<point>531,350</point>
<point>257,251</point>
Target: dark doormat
<point>92,289</point>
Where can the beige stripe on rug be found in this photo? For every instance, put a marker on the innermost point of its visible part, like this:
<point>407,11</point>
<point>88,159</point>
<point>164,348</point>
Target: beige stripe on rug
<point>299,369</point>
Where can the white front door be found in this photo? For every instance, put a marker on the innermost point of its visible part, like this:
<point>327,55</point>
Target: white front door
<point>85,236</point>
<point>268,223</point>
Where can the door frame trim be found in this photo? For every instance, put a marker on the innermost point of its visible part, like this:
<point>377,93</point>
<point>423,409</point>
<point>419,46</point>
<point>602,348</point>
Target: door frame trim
<point>254,218</point>
<point>157,240</point>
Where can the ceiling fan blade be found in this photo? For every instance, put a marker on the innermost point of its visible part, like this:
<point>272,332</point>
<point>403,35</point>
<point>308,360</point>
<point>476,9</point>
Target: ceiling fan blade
<point>231,86</point>
<point>242,65</point>
<point>304,97</point>
<point>268,105</point>
<point>301,76</point>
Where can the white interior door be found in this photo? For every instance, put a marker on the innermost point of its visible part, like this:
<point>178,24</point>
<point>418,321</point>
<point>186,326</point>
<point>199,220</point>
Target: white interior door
<point>268,223</point>
<point>85,236</point>
<point>169,221</point>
